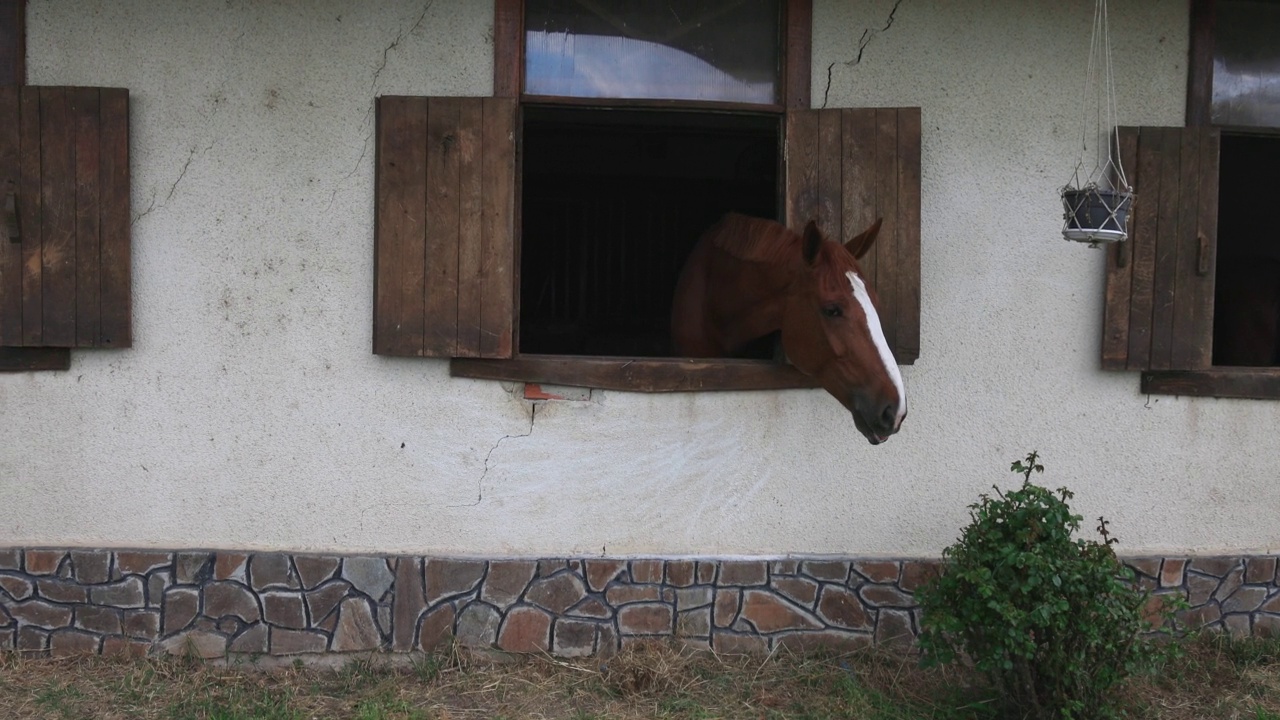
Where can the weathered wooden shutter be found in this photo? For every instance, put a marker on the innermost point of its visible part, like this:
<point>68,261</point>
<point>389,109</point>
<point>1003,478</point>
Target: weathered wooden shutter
<point>847,167</point>
<point>444,241</point>
<point>64,275</point>
<point>1159,294</point>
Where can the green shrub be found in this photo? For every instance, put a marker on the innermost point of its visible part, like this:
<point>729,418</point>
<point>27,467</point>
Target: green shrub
<point>1055,623</point>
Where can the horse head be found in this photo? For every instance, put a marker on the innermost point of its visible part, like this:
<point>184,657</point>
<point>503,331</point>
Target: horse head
<point>831,331</point>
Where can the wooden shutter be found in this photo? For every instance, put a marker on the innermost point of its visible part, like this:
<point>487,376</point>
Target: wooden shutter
<point>64,279</point>
<point>847,167</point>
<point>444,241</point>
<point>1158,311</point>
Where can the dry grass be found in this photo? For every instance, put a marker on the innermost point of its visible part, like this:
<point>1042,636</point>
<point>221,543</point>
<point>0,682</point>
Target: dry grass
<point>1215,678</point>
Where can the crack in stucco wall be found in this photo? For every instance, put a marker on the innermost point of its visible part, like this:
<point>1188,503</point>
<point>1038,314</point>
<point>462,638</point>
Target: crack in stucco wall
<point>868,34</point>
<point>533,414</point>
<point>152,206</point>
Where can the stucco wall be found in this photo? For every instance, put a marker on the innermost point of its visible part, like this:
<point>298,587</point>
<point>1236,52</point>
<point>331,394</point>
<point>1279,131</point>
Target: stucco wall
<point>250,412</point>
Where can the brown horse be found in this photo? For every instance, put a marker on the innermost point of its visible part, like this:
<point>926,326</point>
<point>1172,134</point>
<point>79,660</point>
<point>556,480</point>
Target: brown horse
<point>748,277</point>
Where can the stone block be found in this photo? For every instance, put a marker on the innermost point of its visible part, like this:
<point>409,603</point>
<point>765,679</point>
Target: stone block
<point>195,643</point>
<point>878,571</point>
<point>296,642</point>
<point>1200,588</point>
<point>688,598</point>
<point>725,611</point>
<point>231,566</point>
<point>1246,599</point>
<point>436,629</point>
<point>915,573</point>
<point>251,639</point>
<point>841,607</point>
<point>450,578</point>
<point>66,643</point>
<point>316,569</point>
<point>645,619</point>
<point>830,571</point>
<point>229,625</point>
<point>769,613</point>
<point>618,595</point>
<point>893,628</point>
<point>126,593</point>
<point>141,624</point>
<point>600,573</point>
<point>43,562</point>
<point>785,567</point>
<point>800,590</point>
<point>478,625</point>
<point>17,586</point>
<point>157,582</point>
<point>91,566</point>
<point>743,573</point>
<point>356,629</point>
<point>369,575</point>
<point>6,620</point>
<point>885,596</point>
<point>680,573</point>
<point>1173,572</point>
<point>1150,567</point>
<point>1272,604</point>
<point>222,598</point>
<point>284,609</point>
<point>124,647</point>
<point>1196,618</point>
<point>322,600</point>
<point>557,593</point>
<point>694,623</point>
<point>707,572</point>
<point>1218,567</point>
<point>1266,625</point>
<point>646,571</point>
<point>272,570</point>
<point>192,568</point>
<point>730,644</point>
<point>607,642</point>
<point>831,640</point>
<point>591,607</point>
<point>410,602</point>
<point>525,630</point>
<point>1230,583</point>
<point>506,581</point>
<point>100,620</point>
<point>32,641</point>
<point>180,606</point>
<point>63,591</point>
<point>573,638</point>
<point>1237,625</point>
<point>41,614</point>
<point>10,559</point>
<point>141,563</point>
<point>1260,570</point>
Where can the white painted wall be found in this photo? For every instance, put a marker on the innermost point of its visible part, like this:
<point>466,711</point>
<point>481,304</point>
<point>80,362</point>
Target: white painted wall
<point>250,412</point>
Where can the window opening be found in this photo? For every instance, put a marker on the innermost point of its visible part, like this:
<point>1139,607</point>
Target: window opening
<point>613,201</point>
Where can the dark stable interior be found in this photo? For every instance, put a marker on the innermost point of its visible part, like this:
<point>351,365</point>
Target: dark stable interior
<point>1247,295</point>
<point>613,201</point>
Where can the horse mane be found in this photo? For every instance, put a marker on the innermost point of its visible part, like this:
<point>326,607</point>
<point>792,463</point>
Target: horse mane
<point>754,239</point>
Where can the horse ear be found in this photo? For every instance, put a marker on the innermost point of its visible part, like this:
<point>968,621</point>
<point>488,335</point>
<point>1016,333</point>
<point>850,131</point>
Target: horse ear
<point>812,241</point>
<point>860,244</point>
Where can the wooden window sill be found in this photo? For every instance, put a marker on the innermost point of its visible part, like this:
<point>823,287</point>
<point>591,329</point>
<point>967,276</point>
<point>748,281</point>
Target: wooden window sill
<point>637,375</point>
<point>28,359</point>
<point>1258,383</point>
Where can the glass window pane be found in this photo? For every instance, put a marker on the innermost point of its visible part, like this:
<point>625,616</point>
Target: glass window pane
<point>1246,64</point>
<point>674,49</point>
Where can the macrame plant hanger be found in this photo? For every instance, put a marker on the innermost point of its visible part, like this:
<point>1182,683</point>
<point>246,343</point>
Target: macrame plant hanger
<point>1097,202</point>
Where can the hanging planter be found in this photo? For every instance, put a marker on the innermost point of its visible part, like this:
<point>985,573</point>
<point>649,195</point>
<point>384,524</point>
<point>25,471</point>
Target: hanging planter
<point>1097,201</point>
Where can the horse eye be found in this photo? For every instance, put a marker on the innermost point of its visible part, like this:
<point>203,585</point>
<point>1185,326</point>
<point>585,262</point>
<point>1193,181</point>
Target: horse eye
<point>832,311</point>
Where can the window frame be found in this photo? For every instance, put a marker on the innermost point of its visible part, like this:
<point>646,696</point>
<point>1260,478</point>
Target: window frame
<point>640,374</point>
<point>1261,383</point>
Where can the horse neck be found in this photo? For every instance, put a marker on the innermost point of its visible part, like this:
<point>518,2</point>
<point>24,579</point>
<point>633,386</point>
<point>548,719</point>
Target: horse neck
<point>756,306</point>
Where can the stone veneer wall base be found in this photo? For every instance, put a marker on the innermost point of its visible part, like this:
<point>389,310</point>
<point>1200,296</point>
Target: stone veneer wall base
<point>213,604</point>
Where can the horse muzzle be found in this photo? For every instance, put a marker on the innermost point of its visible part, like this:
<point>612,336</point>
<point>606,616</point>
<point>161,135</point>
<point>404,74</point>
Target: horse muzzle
<point>876,420</point>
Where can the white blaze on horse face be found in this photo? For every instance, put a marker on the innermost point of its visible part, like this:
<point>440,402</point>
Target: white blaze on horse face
<point>877,336</point>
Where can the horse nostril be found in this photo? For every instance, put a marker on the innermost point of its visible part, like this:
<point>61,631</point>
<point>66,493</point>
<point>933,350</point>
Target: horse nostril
<point>889,415</point>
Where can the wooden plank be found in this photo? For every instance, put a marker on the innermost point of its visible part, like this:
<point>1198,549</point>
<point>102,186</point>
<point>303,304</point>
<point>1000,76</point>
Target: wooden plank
<point>887,242</point>
<point>907,349</point>
<point>1115,311</point>
<point>13,42</point>
<point>1184,344</point>
<point>798,60</point>
<point>1200,63</point>
<point>10,252</point>
<point>1253,383</point>
<point>399,239</point>
<point>442,222</point>
<point>1164,281</point>
<point>508,48</point>
<point>84,112</point>
<point>1143,256</point>
<point>29,211</point>
<point>637,375</point>
<point>58,218</point>
<point>830,161</point>
<point>498,228</point>
<point>859,184</point>
<point>28,359</point>
<point>801,157</point>
<point>114,278</point>
<point>470,150</point>
<point>1199,302</point>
